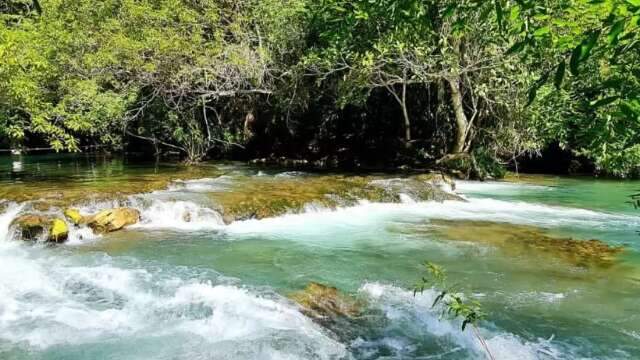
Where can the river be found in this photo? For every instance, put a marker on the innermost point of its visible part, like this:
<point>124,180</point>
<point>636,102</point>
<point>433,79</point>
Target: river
<point>184,283</point>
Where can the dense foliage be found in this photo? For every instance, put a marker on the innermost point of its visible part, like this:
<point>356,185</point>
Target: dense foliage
<point>464,84</point>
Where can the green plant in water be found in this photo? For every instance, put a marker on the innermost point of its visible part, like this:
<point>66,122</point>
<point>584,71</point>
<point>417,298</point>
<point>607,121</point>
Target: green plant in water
<point>635,200</point>
<point>453,303</point>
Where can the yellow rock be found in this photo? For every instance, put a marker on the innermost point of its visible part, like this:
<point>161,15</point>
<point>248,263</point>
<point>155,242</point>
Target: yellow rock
<point>113,219</point>
<point>59,231</point>
<point>74,216</point>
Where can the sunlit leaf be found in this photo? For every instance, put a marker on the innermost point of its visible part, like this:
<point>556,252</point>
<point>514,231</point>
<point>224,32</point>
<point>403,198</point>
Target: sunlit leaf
<point>615,31</point>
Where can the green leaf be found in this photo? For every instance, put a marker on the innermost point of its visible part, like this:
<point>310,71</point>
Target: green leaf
<point>574,62</point>
<point>542,31</point>
<point>559,77</point>
<point>633,3</point>
<point>603,102</point>
<point>615,31</point>
<point>588,44</point>
<point>629,110</point>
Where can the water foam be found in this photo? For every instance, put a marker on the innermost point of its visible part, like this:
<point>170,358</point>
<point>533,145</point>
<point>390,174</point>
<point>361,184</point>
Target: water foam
<point>414,315</point>
<point>81,235</point>
<point>12,210</point>
<point>50,300</point>
<point>179,215</point>
<point>374,215</point>
<point>202,185</point>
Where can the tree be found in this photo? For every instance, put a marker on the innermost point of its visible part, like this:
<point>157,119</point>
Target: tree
<point>586,53</point>
<point>450,47</point>
<point>95,72</point>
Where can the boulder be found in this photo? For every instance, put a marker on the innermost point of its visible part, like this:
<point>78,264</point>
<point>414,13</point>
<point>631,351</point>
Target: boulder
<point>33,227</point>
<point>320,302</point>
<point>59,231</point>
<point>74,216</point>
<point>113,219</point>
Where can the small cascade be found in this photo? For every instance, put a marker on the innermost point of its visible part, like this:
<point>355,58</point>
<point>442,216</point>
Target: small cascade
<point>202,185</point>
<point>413,316</point>
<point>180,215</point>
<point>6,217</point>
<point>81,235</point>
<point>49,302</point>
<point>406,199</point>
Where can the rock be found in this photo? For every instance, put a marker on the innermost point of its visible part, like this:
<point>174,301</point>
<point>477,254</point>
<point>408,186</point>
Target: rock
<point>530,241</point>
<point>74,216</point>
<point>416,188</point>
<point>437,179</point>
<point>320,302</point>
<point>261,197</point>
<point>113,219</point>
<point>31,227</point>
<point>59,231</point>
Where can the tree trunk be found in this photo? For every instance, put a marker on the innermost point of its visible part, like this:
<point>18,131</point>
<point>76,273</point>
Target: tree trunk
<point>402,101</point>
<point>249,126</point>
<point>462,123</point>
<point>405,114</point>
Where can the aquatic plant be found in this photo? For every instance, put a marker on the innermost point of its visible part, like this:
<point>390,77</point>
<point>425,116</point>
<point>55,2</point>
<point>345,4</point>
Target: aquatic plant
<point>635,200</point>
<point>453,301</point>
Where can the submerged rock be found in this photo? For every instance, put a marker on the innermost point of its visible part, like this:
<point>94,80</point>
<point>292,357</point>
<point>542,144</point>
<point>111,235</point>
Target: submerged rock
<point>110,187</point>
<point>525,240</point>
<point>321,302</point>
<point>113,219</point>
<point>34,227</point>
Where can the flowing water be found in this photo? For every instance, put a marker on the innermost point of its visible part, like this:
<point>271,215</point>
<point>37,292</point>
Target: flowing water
<point>185,284</point>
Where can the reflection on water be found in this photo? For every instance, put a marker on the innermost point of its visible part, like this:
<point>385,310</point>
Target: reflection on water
<point>182,284</point>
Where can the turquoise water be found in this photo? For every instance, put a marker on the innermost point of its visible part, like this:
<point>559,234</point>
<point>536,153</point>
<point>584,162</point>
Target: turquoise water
<point>174,289</point>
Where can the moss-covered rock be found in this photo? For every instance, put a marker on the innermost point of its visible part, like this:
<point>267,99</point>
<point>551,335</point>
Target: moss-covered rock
<point>32,227</point>
<point>59,194</point>
<point>113,219</point>
<point>259,198</point>
<point>524,240</point>
<point>437,179</point>
<point>59,231</point>
<point>320,302</point>
<point>74,216</point>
